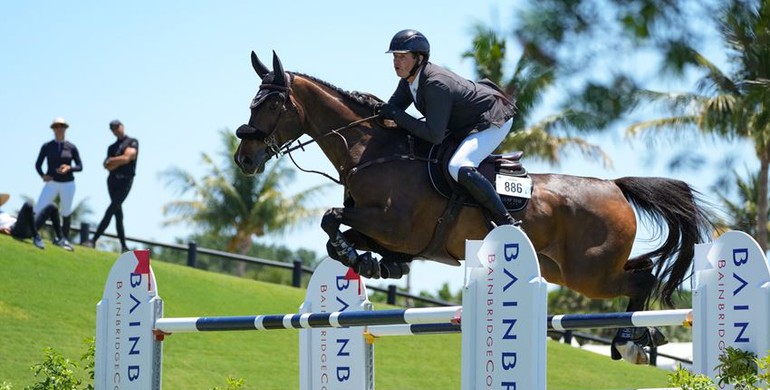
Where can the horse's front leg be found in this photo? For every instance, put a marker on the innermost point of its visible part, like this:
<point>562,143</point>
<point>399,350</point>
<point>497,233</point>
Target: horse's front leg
<point>342,250</point>
<point>368,225</point>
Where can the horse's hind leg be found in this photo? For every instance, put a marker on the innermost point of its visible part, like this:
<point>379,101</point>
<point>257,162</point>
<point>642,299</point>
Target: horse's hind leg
<point>629,342</point>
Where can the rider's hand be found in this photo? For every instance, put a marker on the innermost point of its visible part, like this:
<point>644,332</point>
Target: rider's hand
<point>386,111</point>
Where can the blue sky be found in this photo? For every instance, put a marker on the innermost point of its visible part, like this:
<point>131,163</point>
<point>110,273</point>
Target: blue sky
<point>176,73</point>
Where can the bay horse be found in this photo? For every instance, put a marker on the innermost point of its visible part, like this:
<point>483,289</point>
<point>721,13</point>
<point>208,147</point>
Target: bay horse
<point>582,228</point>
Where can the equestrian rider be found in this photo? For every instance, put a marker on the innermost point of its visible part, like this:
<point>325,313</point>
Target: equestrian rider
<point>475,113</point>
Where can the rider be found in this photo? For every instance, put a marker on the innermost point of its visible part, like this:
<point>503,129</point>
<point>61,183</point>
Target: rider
<point>474,112</point>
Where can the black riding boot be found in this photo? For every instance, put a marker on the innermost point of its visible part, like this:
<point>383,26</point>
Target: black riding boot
<point>482,190</point>
<point>65,229</point>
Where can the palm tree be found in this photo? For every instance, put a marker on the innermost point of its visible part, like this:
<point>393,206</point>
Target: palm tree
<point>230,204</point>
<point>532,77</point>
<point>726,105</point>
<point>742,213</point>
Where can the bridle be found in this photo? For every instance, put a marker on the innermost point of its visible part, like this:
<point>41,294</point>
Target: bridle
<point>267,90</point>
<point>247,131</point>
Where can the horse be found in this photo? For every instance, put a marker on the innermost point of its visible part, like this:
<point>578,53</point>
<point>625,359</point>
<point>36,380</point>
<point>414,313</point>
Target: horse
<point>582,228</point>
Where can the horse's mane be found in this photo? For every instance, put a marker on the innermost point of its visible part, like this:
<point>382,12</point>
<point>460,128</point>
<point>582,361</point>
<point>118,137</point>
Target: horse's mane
<point>363,98</point>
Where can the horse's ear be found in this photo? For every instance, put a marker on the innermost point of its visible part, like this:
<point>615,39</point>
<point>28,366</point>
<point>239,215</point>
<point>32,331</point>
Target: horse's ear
<point>258,66</point>
<point>280,78</point>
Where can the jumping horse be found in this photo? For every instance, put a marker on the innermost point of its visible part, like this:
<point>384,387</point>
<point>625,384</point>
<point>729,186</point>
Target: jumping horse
<point>582,228</point>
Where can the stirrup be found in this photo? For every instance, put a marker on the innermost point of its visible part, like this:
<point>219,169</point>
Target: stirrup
<point>508,219</point>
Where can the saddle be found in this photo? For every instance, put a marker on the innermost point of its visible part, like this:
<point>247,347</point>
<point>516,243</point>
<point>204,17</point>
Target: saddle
<point>504,171</point>
<point>495,168</point>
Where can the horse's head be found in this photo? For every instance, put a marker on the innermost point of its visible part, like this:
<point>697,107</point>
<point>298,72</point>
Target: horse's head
<point>274,120</point>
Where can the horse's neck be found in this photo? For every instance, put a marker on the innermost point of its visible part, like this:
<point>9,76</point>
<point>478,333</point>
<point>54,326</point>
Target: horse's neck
<point>323,112</point>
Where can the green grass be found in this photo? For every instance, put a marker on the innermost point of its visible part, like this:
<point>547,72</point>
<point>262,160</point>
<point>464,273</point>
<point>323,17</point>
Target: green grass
<point>48,299</point>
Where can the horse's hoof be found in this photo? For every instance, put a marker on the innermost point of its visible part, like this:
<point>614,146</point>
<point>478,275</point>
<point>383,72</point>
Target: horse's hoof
<point>629,351</point>
<point>393,270</point>
<point>331,251</point>
<point>629,344</point>
<point>656,337</point>
<point>367,266</point>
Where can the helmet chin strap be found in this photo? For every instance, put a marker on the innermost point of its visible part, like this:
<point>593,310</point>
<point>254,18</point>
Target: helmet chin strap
<point>416,67</point>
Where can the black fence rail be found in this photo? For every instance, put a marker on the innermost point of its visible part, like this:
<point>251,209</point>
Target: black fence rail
<point>297,268</point>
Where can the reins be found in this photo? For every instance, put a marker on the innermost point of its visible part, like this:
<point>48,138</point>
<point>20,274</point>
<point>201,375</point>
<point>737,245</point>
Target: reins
<point>301,145</point>
<point>336,131</point>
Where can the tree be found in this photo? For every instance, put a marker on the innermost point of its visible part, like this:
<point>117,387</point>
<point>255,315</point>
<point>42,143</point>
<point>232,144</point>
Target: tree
<point>229,204</point>
<point>742,213</point>
<point>532,78</point>
<point>727,105</point>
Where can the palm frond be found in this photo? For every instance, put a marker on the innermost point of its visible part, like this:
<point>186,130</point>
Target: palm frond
<point>651,128</point>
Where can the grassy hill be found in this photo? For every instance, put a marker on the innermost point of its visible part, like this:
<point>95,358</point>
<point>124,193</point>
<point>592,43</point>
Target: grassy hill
<point>48,299</point>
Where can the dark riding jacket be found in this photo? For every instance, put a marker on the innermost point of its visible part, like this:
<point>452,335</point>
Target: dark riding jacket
<point>450,104</point>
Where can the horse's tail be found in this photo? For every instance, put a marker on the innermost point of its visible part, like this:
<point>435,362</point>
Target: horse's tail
<point>672,204</point>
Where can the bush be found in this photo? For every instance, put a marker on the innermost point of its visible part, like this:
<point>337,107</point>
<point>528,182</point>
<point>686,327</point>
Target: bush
<point>739,368</point>
<point>57,373</point>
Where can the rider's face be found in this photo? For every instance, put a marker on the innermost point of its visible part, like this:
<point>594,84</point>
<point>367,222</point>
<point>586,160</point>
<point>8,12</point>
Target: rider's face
<point>403,63</point>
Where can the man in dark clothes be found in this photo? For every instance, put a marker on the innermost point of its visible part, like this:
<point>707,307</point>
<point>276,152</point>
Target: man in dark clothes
<point>121,162</point>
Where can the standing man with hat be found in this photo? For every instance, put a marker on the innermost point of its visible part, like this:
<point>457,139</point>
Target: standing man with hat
<point>58,176</point>
<point>121,162</point>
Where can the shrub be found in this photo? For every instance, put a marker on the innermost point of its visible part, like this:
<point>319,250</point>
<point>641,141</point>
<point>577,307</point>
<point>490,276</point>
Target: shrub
<point>739,368</point>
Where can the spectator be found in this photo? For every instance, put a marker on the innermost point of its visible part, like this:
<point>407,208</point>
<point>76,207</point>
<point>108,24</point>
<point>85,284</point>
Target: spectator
<point>121,162</point>
<point>26,225</point>
<point>58,176</point>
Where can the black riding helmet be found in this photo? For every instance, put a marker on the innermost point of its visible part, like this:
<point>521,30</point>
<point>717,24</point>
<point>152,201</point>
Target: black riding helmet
<point>410,41</point>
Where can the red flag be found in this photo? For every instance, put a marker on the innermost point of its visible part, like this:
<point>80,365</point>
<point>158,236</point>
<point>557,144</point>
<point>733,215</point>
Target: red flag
<point>143,264</point>
<point>352,275</point>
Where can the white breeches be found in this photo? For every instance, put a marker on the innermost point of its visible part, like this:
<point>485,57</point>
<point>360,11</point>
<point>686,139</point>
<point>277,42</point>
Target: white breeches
<point>66,192</point>
<point>477,146</point>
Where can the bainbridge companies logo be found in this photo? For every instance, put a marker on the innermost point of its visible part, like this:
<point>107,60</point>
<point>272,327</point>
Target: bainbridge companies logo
<point>501,339</point>
<point>336,299</point>
<point>130,294</point>
<point>733,314</point>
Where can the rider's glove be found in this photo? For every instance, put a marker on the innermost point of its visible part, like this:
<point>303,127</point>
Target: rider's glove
<point>386,110</point>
